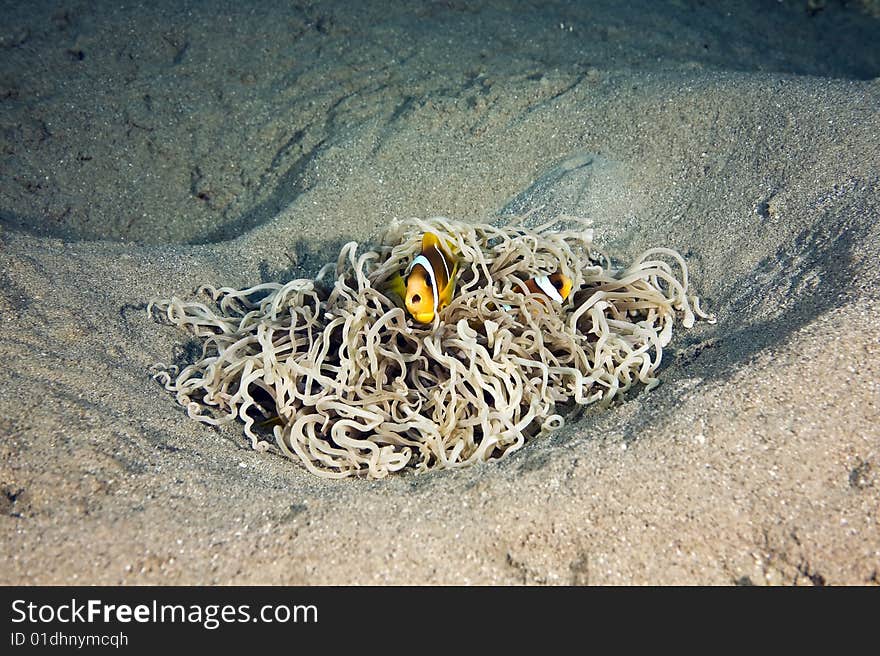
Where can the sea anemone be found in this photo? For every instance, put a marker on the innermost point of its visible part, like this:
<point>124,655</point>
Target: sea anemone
<point>332,371</point>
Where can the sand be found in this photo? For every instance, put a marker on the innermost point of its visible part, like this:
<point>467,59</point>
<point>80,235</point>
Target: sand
<point>148,151</point>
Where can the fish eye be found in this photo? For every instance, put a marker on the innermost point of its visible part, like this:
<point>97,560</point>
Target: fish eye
<point>557,284</point>
<point>416,298</point>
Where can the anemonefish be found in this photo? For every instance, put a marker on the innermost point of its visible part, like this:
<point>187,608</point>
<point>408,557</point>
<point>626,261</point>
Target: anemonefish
<point>430,280</point>
<point>557,286</point>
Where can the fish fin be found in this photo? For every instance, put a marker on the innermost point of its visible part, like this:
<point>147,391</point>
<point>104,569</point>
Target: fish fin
<point>449,292</point>
<point>429,239</point>
<point>448,248</point>
<point>395,288</point>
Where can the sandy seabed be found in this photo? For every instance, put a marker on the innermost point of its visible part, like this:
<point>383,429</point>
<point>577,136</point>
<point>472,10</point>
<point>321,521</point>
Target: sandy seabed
<point>148,151</point>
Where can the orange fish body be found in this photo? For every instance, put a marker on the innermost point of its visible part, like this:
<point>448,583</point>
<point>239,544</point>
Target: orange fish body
<point>430,280</point>
<point>556,286</point>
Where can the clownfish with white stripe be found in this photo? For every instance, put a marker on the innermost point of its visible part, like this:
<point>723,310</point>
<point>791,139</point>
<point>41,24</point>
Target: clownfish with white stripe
<point>430,280</point>
<point>556,286</point>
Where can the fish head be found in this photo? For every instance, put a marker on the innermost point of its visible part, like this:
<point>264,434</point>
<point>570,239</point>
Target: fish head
<point>420,302</point>
<point>561,283</point>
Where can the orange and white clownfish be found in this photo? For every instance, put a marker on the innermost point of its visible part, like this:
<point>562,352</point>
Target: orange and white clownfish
<point>557,286</point>
<point>430,280</point>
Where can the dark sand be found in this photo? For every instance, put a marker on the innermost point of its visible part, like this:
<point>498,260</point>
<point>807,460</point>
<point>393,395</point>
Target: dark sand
<point>147,151</point>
